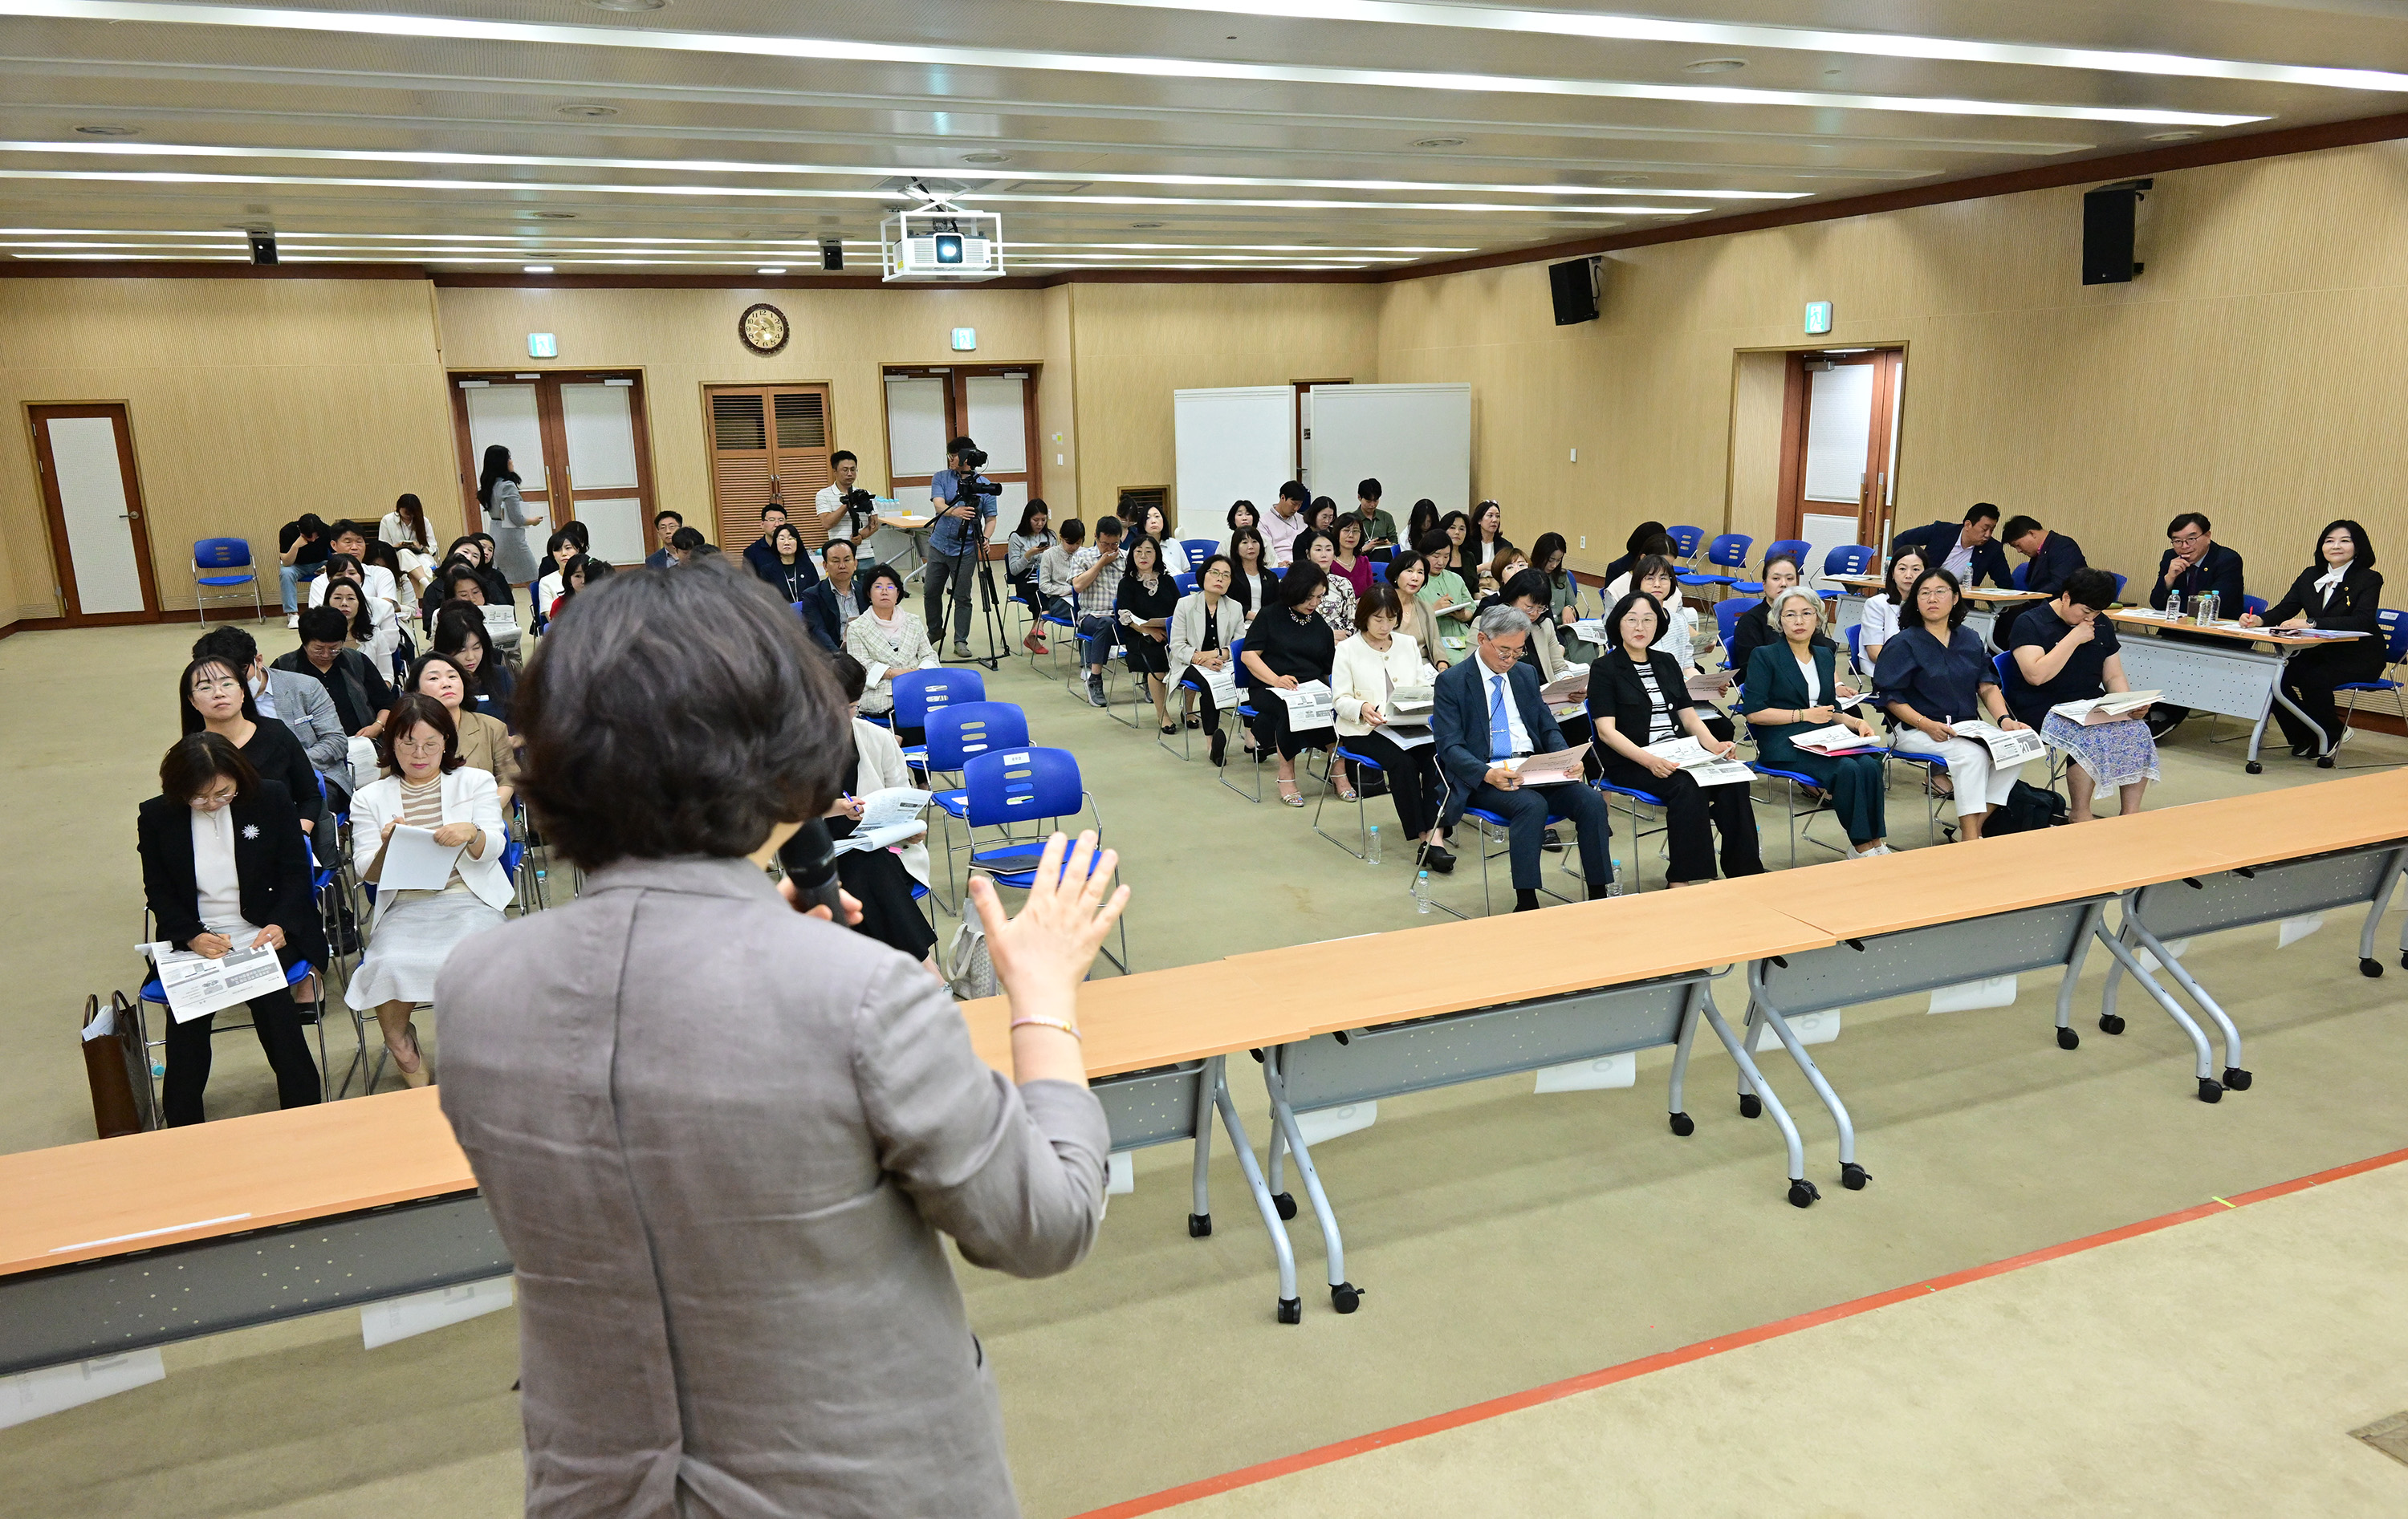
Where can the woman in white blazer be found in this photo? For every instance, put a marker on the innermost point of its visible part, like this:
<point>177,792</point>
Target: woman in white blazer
<point>1207,622</point>
<point>425,785</point>
<point>1366,674</point>
<point>881,880</point>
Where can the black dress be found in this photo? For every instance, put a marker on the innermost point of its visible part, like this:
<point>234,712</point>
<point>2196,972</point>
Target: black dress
<point>1289,645</point>
<point>1148,655</point>
<point>1645,706</point>
<point>877,878</point>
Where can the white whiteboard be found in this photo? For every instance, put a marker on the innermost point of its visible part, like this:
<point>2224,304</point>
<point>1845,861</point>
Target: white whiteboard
<point>1414,439</point>
<point>1231,445</point>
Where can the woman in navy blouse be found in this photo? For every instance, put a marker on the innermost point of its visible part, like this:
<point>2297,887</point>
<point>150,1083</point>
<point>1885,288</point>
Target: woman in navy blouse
<point>1936,674</point>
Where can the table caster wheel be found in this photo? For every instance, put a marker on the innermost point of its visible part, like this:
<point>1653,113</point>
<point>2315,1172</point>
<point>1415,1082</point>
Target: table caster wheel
<point>1346,1298</point>
<point>2111,1023</point>
<point>1199,1225</point>
<point>1285,1203</point>
<point>2067,1039</point>
<point>1802,1194</point>
<point>2237,1079</point>
<point>1684,1125</point>
<point>1291,1310</point>
<point>1854,1176</point>
<point>2255,768</point>
<point>2210,1089</point>
<point>2370,967</point>
<point>1749,1106</point>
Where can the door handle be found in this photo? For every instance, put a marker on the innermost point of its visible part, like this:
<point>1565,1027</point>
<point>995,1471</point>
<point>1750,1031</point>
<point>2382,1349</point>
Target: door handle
<point>129,516</point>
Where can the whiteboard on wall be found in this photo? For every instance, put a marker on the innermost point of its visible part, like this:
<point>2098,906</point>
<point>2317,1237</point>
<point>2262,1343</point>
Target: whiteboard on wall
<point>1414,439</point>
<point>1231,445</point>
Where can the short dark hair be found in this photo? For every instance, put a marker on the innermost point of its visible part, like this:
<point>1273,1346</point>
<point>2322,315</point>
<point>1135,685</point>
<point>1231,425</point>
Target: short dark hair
<point>194,760</point>
<point>2018,525</point>
<point>184,688</point>
<point>1630,598</point>
<point>834,544</point>
<point>1785,557</point>
<point>660,517</point>
<point>2090,587</point>
<point>346,527</point>
<point>1367,490</point>
<point>564,539</point>
<point>791,531</point>
<point>457,573</point>
<point>1302,546</point>
<point>2189,519</point>
<point>1380,597</point>
<point>840,455</point>
<point>456,623</point>
<point>1071,531</point>
<point>960,445</point>
<point>323,623</point>
<point>1241,505</point>
<point>680,713</point>
<point>777,507</point>
<point>1979,509</point>
<point>227,642</point>
<point>437,656</point>
<point>1644,534</point>
<point>876,573</point>
<point>1300,582</point>
<point>2362,554</point>
<point>1653,563</point>
<point>1432,542</point>
<point>1109,526</point>
<point>1221,559</point>
<point>1526,584</point>
<point>1145,540</point>
<point>579,530</point>
<point>1405,559</point>
<point>687,539</point>
<point>1242,535</point>
<point>409,709</point>
<point>1294,491</point>
<point>1915,594</point>
<point>850,678</point>
<point>310,521</point>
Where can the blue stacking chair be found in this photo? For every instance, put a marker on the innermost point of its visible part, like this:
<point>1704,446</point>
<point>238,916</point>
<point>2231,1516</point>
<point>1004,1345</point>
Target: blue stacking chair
<point>1856,647</point>
<point>1199,549</point>
<point>2395,649</point>
<point>917,693</point>
<point>229,567</point>
<point>1362,823</point>
<point>1793,780</point>
<point>154,994</point>
<point>1847,559</point>
<point>1726,615</point>
<point>1244,715</point>
<point>1798,546</point>
<point>1685,541</point>
<point>1728,551</point>
<point>1495,840</point>
<point>2021,575</point>
<point>955,733</point>
<point>1635,798</point>
<point>1186,581</point>
<point>1034,788</point>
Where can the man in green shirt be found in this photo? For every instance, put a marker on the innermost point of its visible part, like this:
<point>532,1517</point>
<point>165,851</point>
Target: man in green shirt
<point>1379,528</point>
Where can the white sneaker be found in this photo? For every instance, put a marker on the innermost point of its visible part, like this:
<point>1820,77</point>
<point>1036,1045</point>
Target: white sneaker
<point>293,619</point>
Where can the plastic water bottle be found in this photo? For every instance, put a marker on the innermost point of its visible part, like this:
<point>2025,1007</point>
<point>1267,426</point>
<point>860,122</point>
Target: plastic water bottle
<point>2174,606</point>
<point>1421,891</point>
<point>1371,849</point>
<point>2209,606</point>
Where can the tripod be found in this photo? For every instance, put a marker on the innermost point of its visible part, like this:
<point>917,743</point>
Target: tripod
<point>989,613</point>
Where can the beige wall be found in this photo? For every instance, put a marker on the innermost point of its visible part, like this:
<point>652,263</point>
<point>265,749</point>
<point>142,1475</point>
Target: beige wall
<point>251,401</point>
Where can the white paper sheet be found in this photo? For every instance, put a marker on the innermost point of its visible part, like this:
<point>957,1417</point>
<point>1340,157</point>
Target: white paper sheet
<point>1810,1027</point>
<point>1967,997</point>
<point>1120,1173</point>
<point>1330,1123</point>
<point>414,862</point>
<point>1705,768</point>
<point>1557,769</point>
<point>1571,686</point>
<point>1223,684</point>
<point>2292,930</point>
<point>2109,709</point>
<point>894,805</point>
<point>195,984</point>
<point>1309,706</point>
<point>52,1389</point>
<point>872,675</point>
<point>1601,1074</point>
<point>2007,749</point>
<point>1834,739</point>
<point>399,1318</point>
<point>104,1023</point>
<point>1410,738</point>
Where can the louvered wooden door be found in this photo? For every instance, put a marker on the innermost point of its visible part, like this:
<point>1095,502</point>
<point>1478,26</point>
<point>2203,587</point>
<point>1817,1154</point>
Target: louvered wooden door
<point>768,443</point>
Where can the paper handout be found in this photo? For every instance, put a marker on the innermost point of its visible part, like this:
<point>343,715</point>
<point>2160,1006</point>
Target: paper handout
<point>2114,708</point>
<point>197,984</point>
<point>414,862</point>
<point>1551,769</point>
<point>1572,685</point>
<point>1836,739</point>
<point>1706,770</point>
<point>888,817</point>
<point>2006,748</point>
<point>1223,684</point>
<point>1309,706</point>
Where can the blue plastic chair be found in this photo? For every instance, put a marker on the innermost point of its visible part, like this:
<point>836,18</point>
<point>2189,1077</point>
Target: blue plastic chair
<point>229,562</point>
<point>1847,559</point>
<point>2255,606</point>
<point>1856,647</point>
<point>534,599</point>
<point>1727,616</point>
<point>1362,822</point>
<point>1036,789</point>
<point>1728,551</point>
<point>1685,540</point>
<point>1793,780</point>
<point>1244,714</point>
<point>955,733</point>
<point>2119,585</point>
<point>1199,549</point>
<point>1797,547</point>
<point>2022,574</point>
<point>1637,798</point>
<point>917,693</point>
<point>2395,649</point>
<point>1186,583</point>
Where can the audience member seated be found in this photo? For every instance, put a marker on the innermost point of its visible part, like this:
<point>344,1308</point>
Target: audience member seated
<point>664,526</point>
<point>1563,596</point>
<point>1753,629</point>
<point>1489,538</point>
<point>1287,520</point>
<point>368,622</point>
<point>785,564</point>
<point>1488,713</point>
<point>1242,513</point>
<point>294,700</point>
<point>1337,594</point>
<point>2066,651</point>
<point>1408,572</point>
<point>762,553</point>
<point>425,785</point>
<point>1509,562</point>
<point>2193,565</point>
<point>558,550</point>
<point>500,590</point>
<point>1207,622</point>
<point>1322,516</point>
<point>689,545</point>
<point>1964,550</point>
<point>1289,644</point>
<point>1095,598</point>
<point>1379,528</point>
<point>1526,593</point>
<point>1455,528</point>
<point>300,553</point>
<point>1251,574</point>
<point>1054,585</point>
<point>216,698</point>
<point>1935,674</point>
<point>226,866</point>
<point>350,541</point>
<point>576,575</point>
<point>1153,523</point>
<point>1640,543</point>
<point>2049,558</point>
<point>1367,672</point>
<point>1021,553</point>
<point>1788,691</point>
<point>406,529</point>
<point>1883,609</point>
<point>1348,560</point>
<point>485,743</point>
<point>493,685</point>
<point>1147,598</point>
<point>358,689</point>
<point>881,880</point>
<point>2338,590</point>
<point>888,639</point>
<point>457,582</point>
<point>1639,696</point>
<point>1451,602</point>
<point>1420,523</point>
<point>830,607</point>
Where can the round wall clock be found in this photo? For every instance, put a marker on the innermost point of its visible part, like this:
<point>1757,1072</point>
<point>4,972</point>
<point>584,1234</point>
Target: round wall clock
<point>763,327</point>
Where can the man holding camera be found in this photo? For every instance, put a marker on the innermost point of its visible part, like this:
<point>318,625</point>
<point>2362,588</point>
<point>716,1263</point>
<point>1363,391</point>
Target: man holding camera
<point>966,506</point>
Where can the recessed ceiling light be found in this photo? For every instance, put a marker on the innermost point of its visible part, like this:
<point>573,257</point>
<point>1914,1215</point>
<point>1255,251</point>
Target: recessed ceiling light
<point>772,268</point>
<point>2173,137</point>
<point>986,158</point>
<point>535,268</point>
<point>1714,65</point>
<point>99,131</point>
<point>590,113</point>
<point>626,5</point>
<point>1438,142</point>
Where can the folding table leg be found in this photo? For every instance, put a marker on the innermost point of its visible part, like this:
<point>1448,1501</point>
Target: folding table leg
<point>1801,1192</point>
<point>1291,1307</point>
<point>1343,1295</point>
<point>2367,964</point>
<point>1852,1175</point>
<point>2210,1089</point>
<point>2235,1078</point>
<point>1199,1223</point>
<point>1682,1125</point>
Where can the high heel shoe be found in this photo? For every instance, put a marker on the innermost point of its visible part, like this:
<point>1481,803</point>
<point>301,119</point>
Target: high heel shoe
<point>419,1076</point>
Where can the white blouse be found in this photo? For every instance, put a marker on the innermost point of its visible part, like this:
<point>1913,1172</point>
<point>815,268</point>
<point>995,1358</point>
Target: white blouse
<point>1813,682</point>
<point>213,874</point>
<point>1880,624</point>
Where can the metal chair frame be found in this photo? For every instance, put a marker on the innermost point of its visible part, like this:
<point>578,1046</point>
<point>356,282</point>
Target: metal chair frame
<point>229,584</point>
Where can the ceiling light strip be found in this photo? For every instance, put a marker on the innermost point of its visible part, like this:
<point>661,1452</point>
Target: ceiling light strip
<point>831,50</point>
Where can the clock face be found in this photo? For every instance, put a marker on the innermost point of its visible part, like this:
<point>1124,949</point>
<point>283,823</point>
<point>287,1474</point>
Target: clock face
<point>763,327</point>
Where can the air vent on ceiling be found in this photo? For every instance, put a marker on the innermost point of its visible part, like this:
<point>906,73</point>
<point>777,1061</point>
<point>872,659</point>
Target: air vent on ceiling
<point>934,184</point>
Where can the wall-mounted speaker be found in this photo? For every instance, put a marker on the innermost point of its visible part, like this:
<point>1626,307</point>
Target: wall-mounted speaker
<point>263,246</point>
<point>1575,288</point>
<point>831,254</point>
<point>2109,216</point>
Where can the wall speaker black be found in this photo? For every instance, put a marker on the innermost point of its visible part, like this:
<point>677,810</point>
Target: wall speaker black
<point>2108,217</point>
<point>1574,286</point>
<point>831,254</point>
<point>263,247</point>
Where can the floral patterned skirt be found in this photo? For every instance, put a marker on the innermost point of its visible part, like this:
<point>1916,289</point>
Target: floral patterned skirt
<point>2115,753</point>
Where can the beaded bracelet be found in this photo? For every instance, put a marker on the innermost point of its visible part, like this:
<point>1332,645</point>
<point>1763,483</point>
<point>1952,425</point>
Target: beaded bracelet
<point>1071,1029</point>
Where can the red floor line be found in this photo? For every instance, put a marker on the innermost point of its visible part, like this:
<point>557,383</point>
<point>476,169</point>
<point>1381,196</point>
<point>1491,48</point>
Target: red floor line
<point>1663,1360</point>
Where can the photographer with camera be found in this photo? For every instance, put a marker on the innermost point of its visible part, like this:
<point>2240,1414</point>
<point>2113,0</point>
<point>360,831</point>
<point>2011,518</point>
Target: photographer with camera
<point>966,502</point>
<point>844,509</point>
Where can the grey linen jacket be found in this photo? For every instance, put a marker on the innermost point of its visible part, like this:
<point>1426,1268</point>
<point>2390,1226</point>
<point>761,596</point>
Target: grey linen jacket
<point>719,1140</point>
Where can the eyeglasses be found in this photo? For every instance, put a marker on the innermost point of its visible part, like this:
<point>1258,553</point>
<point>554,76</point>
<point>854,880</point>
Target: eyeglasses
<point>2185,540</point>
<point>431,744</point>
<point>211,687</point>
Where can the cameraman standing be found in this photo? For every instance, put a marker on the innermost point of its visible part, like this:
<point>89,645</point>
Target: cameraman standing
<point>966,502</point>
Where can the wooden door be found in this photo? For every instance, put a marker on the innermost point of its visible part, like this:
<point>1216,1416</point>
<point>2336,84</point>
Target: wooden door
<point>770,444</point>
<point>91,496</point>
<point>1840,447</point>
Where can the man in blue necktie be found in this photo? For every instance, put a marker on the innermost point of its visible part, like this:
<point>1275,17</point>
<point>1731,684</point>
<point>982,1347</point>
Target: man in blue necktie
<point>1485,711</point>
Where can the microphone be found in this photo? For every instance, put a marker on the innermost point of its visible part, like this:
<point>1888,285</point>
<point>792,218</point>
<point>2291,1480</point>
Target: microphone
<point>809,859</point>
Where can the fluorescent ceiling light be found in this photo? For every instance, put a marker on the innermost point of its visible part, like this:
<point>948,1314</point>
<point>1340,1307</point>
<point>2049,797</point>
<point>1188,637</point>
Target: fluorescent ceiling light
<point>535,268</point>
<point>942,61</point>
<point>873,171</point>
<point>1788,38</point>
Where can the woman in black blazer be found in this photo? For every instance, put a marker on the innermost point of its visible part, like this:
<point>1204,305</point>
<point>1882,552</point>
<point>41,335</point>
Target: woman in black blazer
<point>1640,695</point>
<point>216,696</point>
<point>224,866</point>
<point>2338,590</point>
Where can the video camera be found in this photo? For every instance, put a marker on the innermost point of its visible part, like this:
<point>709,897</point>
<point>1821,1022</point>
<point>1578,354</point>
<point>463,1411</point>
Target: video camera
<point>859,500</point>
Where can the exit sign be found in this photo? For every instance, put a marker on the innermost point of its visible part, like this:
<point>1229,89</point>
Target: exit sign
<point>1819,318</point>
<point>543,345</point>
<point>964,339</point>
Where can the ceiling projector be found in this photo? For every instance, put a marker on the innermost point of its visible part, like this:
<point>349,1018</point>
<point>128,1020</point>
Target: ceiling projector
<point>940,241</point>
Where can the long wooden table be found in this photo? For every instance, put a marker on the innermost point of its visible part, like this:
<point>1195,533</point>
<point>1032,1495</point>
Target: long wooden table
<point>2218,667</point>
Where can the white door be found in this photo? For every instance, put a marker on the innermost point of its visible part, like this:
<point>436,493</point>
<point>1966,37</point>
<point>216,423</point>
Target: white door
<point>599,424</point>
<point>1839,430</point>
<point>100,517</point>
<point>915,427</point>
<point>507,414</point>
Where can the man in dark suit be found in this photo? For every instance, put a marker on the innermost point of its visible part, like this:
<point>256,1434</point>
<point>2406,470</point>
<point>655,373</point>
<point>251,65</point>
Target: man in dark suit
<point>828,605</point>
<point>2049,558</point>
<point>1485,711</point>
<point>2194,565</point>
<point>665,527</point>
<point>759,557</point>
<point>1966,550</point>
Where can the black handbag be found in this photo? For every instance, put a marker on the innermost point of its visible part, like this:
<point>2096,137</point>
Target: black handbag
<point>2027,808</point>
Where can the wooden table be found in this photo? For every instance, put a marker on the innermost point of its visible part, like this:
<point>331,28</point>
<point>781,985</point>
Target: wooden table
<point>2222,667</point>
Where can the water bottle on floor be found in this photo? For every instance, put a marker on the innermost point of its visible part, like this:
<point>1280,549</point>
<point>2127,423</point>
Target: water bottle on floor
<point>1421,891</point>
<point>1371,850</point>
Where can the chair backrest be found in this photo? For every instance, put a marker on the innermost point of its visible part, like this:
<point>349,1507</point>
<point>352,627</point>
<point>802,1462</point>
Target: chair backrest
<point>1729,613</point>
<point>917,691</point>
<point>2253,605</point>
<point>1022,786</point>
<point>1237,667</point>
<point>1685,539</point>
<point>2004,662</point>
<point>1798,547</point>
<point>974,727</point>
<point>2022,574</point>
<point>2394,624</point>
<point>1729,551</point>
<point>1186,583</point>
<point>221,553</point>
<point>1857,646</point>
<point>2119,585</point>
<point>1199,549</point>
<point>1848,559</point>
